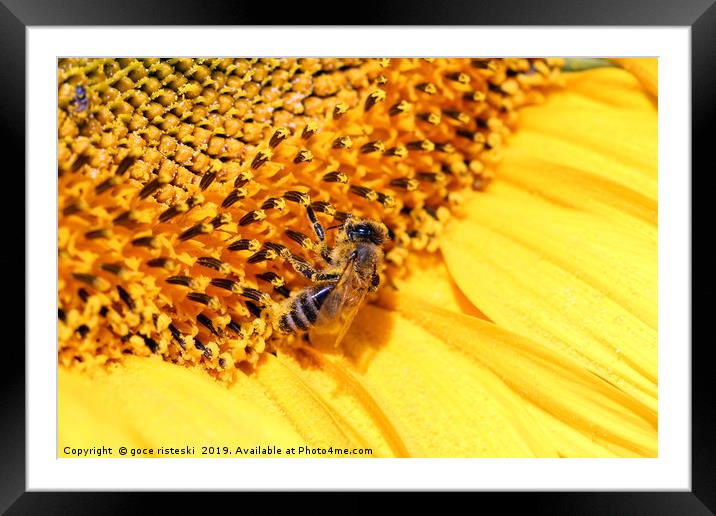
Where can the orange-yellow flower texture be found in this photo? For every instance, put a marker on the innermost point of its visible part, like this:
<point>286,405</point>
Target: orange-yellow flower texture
<point>516,313</point>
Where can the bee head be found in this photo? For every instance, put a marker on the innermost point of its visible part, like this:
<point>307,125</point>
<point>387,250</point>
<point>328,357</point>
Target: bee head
<point>365,231</point>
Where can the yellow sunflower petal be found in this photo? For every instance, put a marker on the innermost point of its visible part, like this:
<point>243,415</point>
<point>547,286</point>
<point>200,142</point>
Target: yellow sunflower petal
<point>323,419</point>
<point>428,382</point>
<point>556,384</point>
<point>422,397</point>
<point>430,276</point>
<point>645,69</point>
<point>573,443</point>
<point>564,247</point>
<point>605,113</point>
<point>150,403</point>
<point>566,279</point>
<point>432,280</point>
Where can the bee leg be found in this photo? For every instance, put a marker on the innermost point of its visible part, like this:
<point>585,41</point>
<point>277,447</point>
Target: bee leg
<point>326,253</point>
<point>302,267</point>
<point>309,272</point>
<point>326,277</point>
<point>321,234</point>
<point>374,282</point>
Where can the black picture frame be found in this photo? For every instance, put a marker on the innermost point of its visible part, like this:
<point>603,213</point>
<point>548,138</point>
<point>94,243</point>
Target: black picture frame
<point>17,15</point>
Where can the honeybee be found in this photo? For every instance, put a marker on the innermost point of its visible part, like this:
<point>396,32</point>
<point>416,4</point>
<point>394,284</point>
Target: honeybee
<point>328,306</point>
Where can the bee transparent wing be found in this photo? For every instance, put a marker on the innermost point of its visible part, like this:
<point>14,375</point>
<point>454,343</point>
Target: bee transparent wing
<point>340,307</point>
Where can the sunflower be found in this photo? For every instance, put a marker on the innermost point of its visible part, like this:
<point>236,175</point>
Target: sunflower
<point>529,331</point>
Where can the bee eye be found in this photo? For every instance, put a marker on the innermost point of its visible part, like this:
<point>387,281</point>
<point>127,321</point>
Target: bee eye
<point>362,231</point>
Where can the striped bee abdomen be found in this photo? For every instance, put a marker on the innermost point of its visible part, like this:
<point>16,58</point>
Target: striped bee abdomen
<point>303,309</point>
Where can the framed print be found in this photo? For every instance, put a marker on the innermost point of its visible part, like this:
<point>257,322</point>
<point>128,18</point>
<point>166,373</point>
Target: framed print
<point>461,250</point>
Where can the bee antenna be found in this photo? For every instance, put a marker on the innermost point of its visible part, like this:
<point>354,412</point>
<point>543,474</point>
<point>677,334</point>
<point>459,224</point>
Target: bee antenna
<point>334,227</point>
